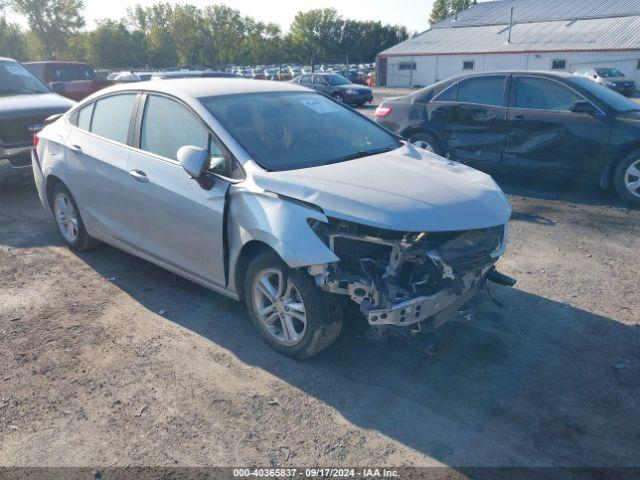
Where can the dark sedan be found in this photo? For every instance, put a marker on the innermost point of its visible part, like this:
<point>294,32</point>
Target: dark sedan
<point>337,87</point>
<point>536,121</point>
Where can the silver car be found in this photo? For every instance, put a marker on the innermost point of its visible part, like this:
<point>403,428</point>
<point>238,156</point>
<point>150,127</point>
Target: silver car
<point>274,194</point>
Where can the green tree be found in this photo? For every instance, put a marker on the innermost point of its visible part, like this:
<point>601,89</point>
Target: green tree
<point>443,9</point>
<point>13,42</point>
<point>112,45</point>
<point>439,12</point>
<point>53,22</point>
<point>316,34</point>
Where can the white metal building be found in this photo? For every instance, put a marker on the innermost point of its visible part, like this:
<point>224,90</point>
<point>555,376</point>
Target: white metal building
<point>560,35</point>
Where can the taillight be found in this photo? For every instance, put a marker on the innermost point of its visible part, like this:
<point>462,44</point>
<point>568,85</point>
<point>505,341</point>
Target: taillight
<point>382,111</point>
<point>36,139</point>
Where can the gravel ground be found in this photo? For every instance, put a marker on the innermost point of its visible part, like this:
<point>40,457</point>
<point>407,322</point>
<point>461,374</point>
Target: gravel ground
<point>106,359</point>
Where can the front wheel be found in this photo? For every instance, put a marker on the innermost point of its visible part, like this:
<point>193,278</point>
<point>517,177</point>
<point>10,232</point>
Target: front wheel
<point>291,313</point>
<point>426,141</point>
<point>338,97</point>
<point>626,178</point>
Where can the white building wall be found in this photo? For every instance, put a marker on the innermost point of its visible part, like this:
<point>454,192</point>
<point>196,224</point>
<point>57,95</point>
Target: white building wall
<point>432,68</point>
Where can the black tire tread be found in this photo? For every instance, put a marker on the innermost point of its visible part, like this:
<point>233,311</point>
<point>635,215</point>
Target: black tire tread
<point>618,178</point>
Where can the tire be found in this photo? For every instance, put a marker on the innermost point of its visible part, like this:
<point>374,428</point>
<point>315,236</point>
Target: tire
<point>75,234</point>
<point>338,97</point>
<point>323,322</point>
<point>423,139</point>
<point>626,178</point>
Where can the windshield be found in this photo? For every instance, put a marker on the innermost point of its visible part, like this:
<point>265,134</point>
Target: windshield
<point>290,130</point>
<point>16,79</point>
<point>337,80</point>
<point>610,97</point>
<point>609,72</point>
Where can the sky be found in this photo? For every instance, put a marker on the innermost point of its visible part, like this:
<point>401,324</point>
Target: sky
<point>414,14</point>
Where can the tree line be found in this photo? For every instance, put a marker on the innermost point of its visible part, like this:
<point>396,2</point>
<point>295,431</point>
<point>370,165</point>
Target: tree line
<point>165,35</point>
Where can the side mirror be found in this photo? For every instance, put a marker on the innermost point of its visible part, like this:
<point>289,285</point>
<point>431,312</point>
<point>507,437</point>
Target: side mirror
<point>194,160</point>
<point>58,87</point>
<point>582,106</point>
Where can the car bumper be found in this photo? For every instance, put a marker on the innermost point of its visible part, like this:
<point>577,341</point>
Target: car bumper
<point>628,91</point>
<point>15,165</point>
<point>359,98</point>
<point>439,307</point>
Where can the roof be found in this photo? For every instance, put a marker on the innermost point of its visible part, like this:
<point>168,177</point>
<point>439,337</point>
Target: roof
<point>622,33</point>
<point>497,12</point>
<point>539,26</point>
<point>208,87</point>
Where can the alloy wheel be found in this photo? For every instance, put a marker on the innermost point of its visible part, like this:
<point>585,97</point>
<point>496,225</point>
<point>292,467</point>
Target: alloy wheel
<point>632,178</point>
<point>279,306</point>
<point>66,217</point>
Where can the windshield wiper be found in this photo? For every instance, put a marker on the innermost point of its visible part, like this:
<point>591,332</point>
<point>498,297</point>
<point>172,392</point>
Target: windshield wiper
<point>360,154</point>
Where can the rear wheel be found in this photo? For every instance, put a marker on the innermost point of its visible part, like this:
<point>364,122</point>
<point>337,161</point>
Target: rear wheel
<point>626,178</point>
<point>427,142</point>
<point>291,313</point>
<point>68,219</point>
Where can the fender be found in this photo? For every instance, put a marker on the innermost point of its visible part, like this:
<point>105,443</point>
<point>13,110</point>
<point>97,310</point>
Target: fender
<point>269,218</point>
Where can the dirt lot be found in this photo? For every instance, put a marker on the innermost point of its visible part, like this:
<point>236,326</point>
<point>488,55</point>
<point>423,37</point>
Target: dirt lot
<point>108,360</point>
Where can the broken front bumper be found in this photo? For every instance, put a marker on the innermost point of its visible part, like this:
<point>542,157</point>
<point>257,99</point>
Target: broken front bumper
<point>440,305</point>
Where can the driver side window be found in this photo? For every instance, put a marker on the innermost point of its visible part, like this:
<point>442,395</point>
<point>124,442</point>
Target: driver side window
<point>167,125</point>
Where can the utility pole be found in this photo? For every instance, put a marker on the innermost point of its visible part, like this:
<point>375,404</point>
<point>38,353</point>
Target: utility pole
<point>510,23</point>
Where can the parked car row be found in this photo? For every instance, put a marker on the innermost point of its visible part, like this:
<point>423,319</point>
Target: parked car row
<point>541,122</point>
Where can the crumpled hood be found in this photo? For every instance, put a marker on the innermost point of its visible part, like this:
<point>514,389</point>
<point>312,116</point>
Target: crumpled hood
<point>408,189</point>
<point>36,104</point>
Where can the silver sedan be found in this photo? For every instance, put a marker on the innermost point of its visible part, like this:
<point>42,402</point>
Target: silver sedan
<point>276,195</point>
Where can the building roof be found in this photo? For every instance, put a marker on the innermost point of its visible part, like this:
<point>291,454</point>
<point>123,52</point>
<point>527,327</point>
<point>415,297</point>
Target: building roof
<point>539,26</point>
<point>497,12</point>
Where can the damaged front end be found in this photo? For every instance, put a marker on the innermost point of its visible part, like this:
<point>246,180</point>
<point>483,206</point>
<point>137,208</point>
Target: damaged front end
<point>403,279</point>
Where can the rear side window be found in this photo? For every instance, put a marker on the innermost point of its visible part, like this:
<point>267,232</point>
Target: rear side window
<point>483,91</point>
<point>305,79</point>
<point>449,95</point>
<point>111,116</point>
<point>84,117</point>
<point>543,94</point>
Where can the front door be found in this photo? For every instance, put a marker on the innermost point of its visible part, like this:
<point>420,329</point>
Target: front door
<point>545,134</point>
<point>176,220</point>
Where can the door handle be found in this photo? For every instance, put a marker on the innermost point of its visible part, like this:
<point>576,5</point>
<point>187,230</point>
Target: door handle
<point>75,149</point>
<point>139,176</point>
<point>518,119</point>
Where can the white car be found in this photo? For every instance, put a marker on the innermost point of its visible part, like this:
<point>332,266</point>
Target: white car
<point>272,193</point>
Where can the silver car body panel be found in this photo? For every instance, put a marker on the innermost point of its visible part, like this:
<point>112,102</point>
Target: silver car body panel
<point>200,234</point>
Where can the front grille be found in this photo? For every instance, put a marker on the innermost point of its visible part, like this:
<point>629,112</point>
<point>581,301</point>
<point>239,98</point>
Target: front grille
<point>471,250</point>
<point>15,131</point>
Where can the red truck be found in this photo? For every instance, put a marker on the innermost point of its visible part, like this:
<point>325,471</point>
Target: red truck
<point>74,80</point>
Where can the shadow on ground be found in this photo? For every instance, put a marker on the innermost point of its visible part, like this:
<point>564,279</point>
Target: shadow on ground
<point>536,383</point>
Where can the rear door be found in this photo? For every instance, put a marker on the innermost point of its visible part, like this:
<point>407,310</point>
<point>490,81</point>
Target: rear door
<point>175,220</point>
<point>544,134</point>
<point>96,159</point>
<point>471,118</point>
